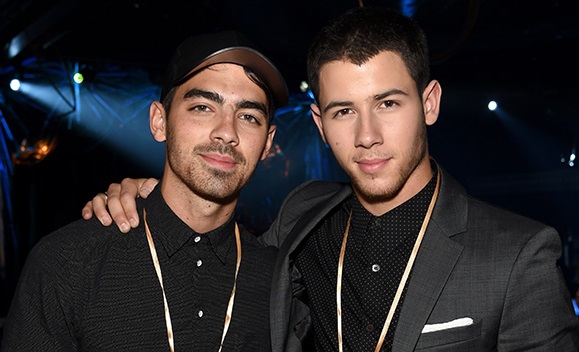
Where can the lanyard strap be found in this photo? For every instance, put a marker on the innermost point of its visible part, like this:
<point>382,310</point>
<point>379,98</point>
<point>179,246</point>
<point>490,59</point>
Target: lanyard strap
<point>402,280</point>
<point>155,258</point>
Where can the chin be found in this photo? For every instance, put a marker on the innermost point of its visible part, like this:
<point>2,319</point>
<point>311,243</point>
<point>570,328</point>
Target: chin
<point>376,191</point>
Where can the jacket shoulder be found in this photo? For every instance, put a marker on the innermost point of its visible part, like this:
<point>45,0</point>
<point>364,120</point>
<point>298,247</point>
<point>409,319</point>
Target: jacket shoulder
<point>298,203</point>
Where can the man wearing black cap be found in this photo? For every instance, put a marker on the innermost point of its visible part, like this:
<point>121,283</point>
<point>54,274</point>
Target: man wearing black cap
<point>188,279</point>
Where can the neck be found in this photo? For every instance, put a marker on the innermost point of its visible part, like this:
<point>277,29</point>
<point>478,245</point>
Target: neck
<point>200,214</point>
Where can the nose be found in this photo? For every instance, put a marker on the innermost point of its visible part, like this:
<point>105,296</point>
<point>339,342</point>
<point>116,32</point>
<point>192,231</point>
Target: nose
<point>367,131</point>
<point>225,129</point>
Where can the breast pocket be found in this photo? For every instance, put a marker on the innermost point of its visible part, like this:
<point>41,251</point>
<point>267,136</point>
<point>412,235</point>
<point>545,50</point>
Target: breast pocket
<point>466,338</point>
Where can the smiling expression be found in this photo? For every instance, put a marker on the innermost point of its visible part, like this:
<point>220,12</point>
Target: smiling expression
<point>374,120</point>
<point>216,133</point>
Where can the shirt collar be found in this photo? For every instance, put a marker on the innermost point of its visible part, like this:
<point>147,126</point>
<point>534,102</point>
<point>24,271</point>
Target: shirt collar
<point>173,233</point>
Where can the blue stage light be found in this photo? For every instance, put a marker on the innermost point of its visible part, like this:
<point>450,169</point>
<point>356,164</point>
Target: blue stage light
<point>15,84</point>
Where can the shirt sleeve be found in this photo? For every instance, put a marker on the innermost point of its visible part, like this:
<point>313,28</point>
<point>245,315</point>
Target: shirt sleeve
<point>538,313</point>
<point>38,318</point>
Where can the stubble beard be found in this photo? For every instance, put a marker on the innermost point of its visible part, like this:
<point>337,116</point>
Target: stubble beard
<point>212,184</point>
<point>368,188</point>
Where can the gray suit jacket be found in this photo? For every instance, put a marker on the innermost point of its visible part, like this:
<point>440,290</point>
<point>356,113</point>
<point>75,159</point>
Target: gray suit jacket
<point>476,261</point>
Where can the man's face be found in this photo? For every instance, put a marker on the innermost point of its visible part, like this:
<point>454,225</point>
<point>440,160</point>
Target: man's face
<point>216,133</point>
<point>374,120</point>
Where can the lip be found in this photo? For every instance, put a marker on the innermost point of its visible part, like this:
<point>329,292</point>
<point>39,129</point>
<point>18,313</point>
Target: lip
<point>219,161</point>
<point>371,166</point>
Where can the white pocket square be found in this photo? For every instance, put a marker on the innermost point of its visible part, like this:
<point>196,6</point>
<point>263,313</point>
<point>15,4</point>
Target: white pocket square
<point>457,323</point>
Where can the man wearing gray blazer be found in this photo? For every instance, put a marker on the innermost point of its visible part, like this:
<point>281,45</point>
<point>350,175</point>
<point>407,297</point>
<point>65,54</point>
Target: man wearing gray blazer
<point>484,279</point>
<point>401,258</point>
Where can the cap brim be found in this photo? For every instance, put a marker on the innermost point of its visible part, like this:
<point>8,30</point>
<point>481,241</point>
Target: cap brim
<point>253,60</point>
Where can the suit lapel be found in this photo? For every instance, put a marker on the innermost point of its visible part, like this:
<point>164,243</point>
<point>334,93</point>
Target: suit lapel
<point>434,263</point>
<point>280,307</point>
<point>310,219</point>
<point>436,259</point>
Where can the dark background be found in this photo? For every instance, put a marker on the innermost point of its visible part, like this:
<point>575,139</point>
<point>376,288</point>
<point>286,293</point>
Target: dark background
<point>520,53</point>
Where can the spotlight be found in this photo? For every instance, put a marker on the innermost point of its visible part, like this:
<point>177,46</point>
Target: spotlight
<point>15,84</point>
<point>83,73</point>
<point>571,160</point>
<point>492,105</point>
<point>78,78</point>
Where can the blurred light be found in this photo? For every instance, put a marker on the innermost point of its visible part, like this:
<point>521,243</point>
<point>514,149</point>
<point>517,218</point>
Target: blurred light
<point>15,84</point>
<point>408,7</point>
<point>32,153</point>
<point>492,105</point>
<point>78,78</point>
<point>83,73</point>
<point>571,160</point>
<point>304,86</point>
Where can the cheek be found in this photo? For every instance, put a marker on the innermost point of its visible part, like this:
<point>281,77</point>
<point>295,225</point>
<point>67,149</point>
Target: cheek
<point>341,137</point>
<point>255,148</point>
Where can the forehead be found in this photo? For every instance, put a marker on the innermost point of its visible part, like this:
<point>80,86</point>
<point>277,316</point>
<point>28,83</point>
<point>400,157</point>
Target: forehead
<point>228,80</point>
<point>382,72</point>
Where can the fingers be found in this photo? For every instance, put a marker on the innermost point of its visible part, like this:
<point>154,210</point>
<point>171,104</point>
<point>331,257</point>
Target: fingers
<point>122,205</point>
<point>147,186</point>
<point>119,204</point>
<point>98,206</point>
<point>87,210</point>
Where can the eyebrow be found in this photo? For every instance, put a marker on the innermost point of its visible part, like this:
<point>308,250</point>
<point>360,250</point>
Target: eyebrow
<point>248,104</point>
<point>216,97</point>
<point>193,93</point>
<point>380,96</point>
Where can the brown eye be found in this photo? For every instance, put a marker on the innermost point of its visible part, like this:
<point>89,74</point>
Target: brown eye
<point>200,108</point>
<point>342,112</point>
<point>250,118</point>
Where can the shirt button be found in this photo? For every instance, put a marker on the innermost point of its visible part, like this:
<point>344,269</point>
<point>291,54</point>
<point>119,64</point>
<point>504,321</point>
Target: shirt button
<point>197,239</point>
<point>200,314</point>
<point>369,327</point>
<point>199,262</point>
<point>375,268</point>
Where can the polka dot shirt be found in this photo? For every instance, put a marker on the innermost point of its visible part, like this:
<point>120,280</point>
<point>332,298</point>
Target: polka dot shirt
<point>377,252</point>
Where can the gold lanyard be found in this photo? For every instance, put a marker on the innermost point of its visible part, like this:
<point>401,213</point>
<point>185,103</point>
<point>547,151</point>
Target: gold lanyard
<point>160,277</point>
<point>402,280</point>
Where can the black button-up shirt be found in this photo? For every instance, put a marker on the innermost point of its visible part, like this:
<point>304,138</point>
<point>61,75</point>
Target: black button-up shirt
<point>90,288</point>
<point>377,252</point>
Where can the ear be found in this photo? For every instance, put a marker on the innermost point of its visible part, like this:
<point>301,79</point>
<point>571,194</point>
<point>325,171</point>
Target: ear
<point>157,121</point>
<point>431,102</point>
<point>268,142</point>
<point>317,117</point>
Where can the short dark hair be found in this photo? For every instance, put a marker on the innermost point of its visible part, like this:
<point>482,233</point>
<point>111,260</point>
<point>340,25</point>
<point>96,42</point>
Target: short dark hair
<point>362,33</point>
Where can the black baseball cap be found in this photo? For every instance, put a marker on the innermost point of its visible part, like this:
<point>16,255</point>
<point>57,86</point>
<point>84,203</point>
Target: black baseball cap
<point>201,51</point>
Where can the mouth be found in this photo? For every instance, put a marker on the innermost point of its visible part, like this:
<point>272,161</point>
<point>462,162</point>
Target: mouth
<point>371,166</point>
<point>219,161</point>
